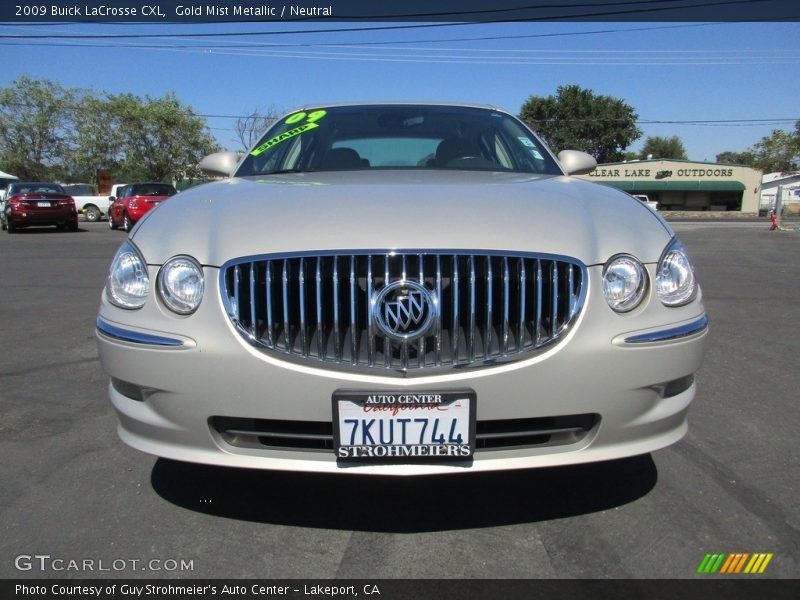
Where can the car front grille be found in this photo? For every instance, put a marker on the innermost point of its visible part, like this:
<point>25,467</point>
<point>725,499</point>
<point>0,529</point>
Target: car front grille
<point>328,309</point>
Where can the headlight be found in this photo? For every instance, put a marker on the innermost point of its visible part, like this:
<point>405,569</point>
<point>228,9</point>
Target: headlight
<point>181,284</point>
<point>128,284</point>
<point>624,283</point>
<point>675,281</point>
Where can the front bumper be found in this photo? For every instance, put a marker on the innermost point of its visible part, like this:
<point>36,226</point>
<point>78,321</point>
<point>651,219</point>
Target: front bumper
<point>168,384</point>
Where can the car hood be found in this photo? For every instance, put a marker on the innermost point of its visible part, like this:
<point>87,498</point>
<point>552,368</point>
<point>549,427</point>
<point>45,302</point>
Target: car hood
<point>394,210</point>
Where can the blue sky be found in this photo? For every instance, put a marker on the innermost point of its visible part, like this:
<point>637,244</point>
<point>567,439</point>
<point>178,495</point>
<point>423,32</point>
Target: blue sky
<point>666,71</point>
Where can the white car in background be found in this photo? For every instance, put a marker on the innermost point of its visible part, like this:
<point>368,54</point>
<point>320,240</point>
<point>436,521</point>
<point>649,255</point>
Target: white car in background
<point>91,205</point>
<point>644,199</point>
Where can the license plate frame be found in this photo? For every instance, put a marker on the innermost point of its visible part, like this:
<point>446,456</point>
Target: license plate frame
<point>448,415</point>
<point>43,204</point>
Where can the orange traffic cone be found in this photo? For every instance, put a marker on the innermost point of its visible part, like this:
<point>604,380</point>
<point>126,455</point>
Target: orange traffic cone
<point>773,218</point>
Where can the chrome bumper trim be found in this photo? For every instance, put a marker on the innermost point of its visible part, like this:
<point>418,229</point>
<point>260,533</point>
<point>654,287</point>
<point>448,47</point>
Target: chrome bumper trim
<point>126,335</point>
<point>673,333</point>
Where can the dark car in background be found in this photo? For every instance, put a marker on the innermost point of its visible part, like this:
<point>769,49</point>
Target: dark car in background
<point>38,204</point>
<point>135,201</point>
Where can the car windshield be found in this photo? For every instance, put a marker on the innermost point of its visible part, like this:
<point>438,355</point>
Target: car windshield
<point>345,138</point>
<point>151,189</point>
<point>35,188</point>
<point>79,189</point>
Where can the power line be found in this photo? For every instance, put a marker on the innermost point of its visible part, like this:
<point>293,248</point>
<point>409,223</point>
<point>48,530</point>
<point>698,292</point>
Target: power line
<point>487,56</point>
<point>505,56</point>
<point>714,122</point>
<point>82,35</point>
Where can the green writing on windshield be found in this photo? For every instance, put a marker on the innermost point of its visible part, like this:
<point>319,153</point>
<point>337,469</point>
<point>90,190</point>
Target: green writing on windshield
<point>309,117</point>
<point>282,138</point>
<point>310,123</point>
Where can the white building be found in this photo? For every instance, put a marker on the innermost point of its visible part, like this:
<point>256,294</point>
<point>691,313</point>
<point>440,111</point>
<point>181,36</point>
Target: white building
<point>789,182</point>
<point>683,185</point>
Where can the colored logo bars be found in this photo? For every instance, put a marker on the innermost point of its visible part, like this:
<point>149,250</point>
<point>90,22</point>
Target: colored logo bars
<point>733,563</point>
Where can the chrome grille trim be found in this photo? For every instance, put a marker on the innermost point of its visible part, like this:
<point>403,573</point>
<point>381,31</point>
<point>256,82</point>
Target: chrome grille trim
<point>317,307</point>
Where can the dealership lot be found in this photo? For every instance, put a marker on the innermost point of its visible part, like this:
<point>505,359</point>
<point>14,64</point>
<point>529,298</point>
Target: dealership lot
<point>72,491</point>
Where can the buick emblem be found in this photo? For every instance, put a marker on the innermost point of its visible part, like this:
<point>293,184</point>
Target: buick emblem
<point>404,310</point>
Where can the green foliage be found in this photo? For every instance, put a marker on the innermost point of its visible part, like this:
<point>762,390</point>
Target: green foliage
<point>48,132</point>
<point>663,147</point>
<point>35,126</point>
<point>159,138</point>
<point>577,119</point>
<point>746,158</point>
<point>97,143</point>
<point>778,152</point>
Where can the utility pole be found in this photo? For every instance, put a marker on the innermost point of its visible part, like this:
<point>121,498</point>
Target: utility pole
<point>779,203</point>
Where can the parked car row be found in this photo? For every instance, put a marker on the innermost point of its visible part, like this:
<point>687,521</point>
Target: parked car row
<point>42,204</point>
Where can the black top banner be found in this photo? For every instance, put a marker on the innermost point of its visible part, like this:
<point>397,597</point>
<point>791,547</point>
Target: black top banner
<point>483,11</point>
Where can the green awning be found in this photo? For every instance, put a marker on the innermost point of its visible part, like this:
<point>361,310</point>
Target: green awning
<point>677,186</point>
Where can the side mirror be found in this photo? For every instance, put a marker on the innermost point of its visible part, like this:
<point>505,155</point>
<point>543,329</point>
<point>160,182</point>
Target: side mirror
<point>575,162</point>
<point>220,163</point>
<point>112,198</point>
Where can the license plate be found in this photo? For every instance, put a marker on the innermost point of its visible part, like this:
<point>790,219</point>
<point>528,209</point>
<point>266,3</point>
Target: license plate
<point>403,425</point>
<point>43,204</point>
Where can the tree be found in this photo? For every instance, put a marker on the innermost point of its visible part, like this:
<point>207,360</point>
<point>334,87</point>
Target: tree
<point>35,128</point>
<point>98,143</point>
<point>160,138</point>
<point>249,129</point>
<point>663,147</point>
<point>49,132</point>
<point>576,118</point>
<point>746,158</point>
<point>778,152</point>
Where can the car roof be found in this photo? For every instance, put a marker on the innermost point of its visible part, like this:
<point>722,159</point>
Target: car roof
<point>398,103</point>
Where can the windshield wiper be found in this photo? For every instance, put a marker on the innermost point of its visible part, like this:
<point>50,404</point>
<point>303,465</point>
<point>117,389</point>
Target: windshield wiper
<point>284,171</point>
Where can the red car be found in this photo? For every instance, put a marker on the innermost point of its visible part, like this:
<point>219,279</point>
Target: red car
<point>136,200</point>
<point>35,203</point>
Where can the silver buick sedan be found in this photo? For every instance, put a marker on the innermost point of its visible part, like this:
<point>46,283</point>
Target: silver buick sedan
<point>401,289</point>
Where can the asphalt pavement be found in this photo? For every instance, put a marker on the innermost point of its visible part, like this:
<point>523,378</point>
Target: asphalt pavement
<point>73,492</point>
